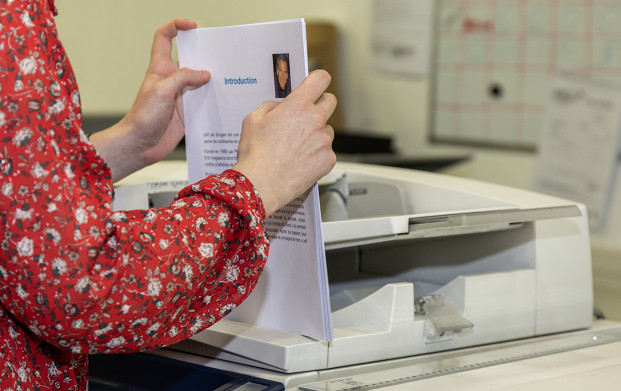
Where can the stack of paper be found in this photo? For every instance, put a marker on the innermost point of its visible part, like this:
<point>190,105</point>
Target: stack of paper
<point>251,64</point>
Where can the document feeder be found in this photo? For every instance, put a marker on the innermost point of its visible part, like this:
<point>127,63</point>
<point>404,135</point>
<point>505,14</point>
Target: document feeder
<point>421,262</point>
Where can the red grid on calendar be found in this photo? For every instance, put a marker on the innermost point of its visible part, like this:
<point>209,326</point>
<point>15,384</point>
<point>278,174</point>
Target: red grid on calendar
<point>496,60</point>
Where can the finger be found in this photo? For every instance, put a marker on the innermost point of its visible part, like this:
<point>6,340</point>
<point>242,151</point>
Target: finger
<point>330,131</point>
<point>162,41</point>
<point>312,87</point>
<point>183,78</point>
<point>327,103</point>
<point>266,107</point>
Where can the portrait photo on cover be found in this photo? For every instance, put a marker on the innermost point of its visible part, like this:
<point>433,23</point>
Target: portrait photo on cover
<point>282,76</point>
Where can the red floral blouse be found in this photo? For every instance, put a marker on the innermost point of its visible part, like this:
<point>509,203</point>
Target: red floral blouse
<point>76,278</point>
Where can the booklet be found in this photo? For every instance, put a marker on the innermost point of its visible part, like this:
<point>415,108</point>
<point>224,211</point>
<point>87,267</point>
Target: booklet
<point>250,64</point>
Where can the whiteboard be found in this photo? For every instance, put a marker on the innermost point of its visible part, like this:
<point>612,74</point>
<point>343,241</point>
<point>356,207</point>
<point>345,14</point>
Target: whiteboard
<point>495,61</point>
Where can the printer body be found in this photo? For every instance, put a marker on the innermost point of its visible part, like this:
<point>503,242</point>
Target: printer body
<point>417,263</point>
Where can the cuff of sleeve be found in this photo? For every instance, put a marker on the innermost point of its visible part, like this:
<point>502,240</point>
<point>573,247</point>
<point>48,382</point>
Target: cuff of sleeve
<point>233,188</point>
<point>248,189</point>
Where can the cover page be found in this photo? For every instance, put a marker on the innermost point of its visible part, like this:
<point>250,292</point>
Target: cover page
<point>250,64</point>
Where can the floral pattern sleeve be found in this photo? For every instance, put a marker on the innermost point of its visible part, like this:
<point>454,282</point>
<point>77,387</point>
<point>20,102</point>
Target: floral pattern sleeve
<point>75,277</point>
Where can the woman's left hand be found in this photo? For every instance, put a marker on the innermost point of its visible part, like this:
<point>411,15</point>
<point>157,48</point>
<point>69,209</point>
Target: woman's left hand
<point>154,125</point>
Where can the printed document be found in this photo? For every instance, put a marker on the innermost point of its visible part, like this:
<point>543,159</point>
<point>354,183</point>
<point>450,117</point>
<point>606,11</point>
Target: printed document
<point>250,64</point>
<point>578,151</point>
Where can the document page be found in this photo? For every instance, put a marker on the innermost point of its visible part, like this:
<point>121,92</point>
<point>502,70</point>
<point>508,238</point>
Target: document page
<point>578,151</point>
<point>250,64</point>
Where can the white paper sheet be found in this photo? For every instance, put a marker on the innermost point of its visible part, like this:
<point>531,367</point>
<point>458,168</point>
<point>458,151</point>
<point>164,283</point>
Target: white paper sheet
<point>401,36</point>
<point>578,151</point>
<point>292,293</point>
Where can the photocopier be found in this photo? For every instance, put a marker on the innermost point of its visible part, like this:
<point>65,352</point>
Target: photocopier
<point>419,263</point>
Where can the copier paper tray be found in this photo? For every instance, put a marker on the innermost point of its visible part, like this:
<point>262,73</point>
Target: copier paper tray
<point>421,262</point>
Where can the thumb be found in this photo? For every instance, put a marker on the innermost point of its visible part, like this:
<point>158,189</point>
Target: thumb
<point>185,77</point>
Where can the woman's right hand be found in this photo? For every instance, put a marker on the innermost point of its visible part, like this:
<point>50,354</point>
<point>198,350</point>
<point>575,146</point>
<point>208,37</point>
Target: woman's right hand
<point>286,147</point>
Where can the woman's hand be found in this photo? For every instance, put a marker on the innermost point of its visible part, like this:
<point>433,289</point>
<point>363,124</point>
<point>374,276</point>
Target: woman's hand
<point>154,125</point>
<point>286,147</point>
